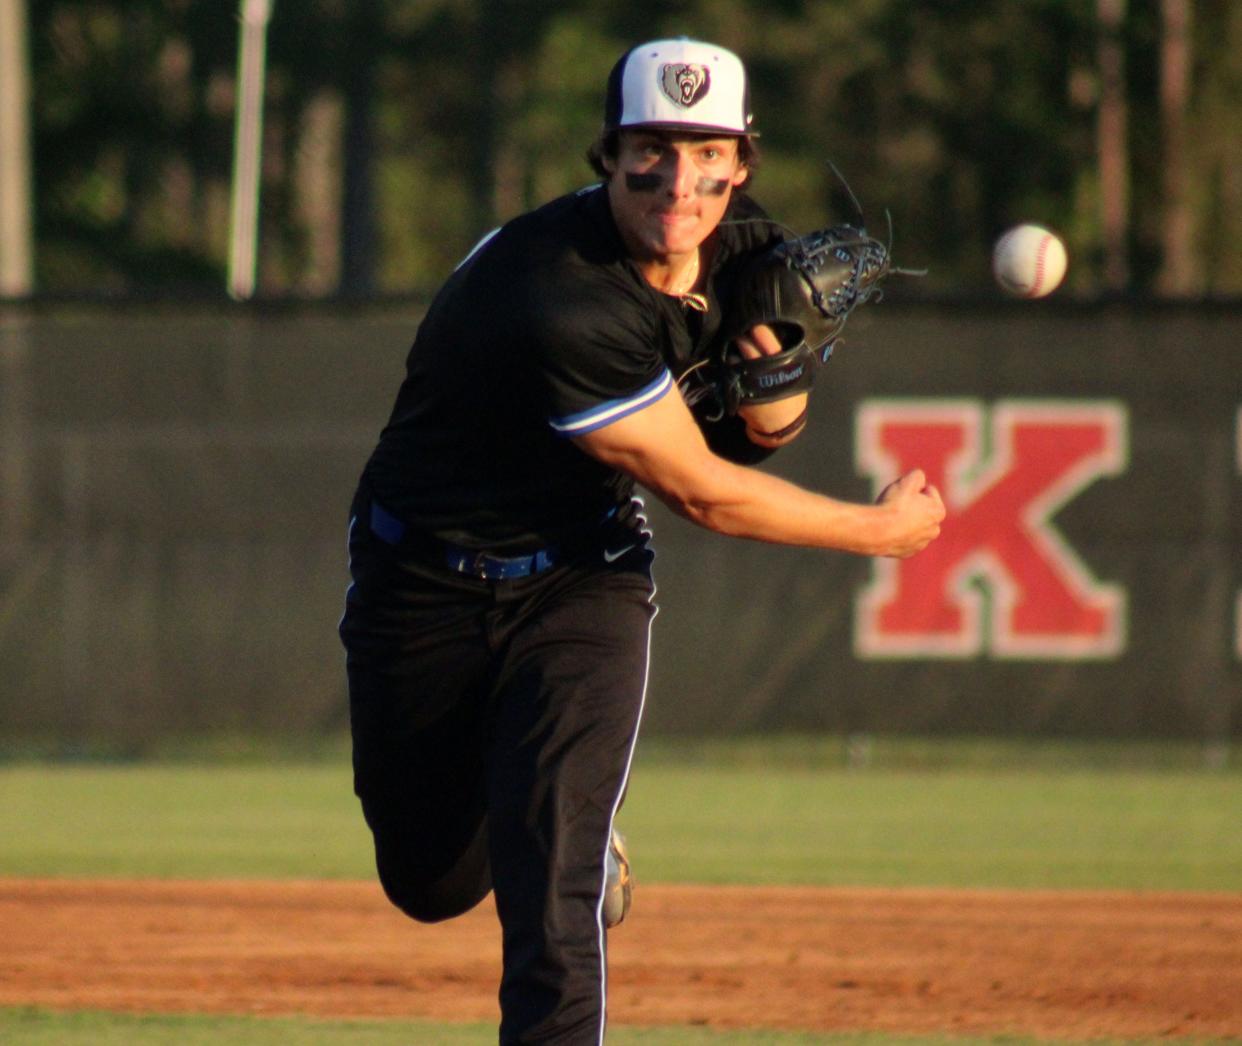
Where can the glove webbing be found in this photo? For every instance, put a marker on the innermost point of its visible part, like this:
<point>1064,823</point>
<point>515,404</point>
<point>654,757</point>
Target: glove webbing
<point>807,255</point>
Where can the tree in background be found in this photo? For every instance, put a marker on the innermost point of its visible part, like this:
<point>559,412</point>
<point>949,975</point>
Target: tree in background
<point>397,133</point>
<point>131,145</point>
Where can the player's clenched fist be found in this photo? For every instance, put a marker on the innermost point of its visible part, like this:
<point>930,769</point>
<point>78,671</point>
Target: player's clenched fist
<point>916,513</point>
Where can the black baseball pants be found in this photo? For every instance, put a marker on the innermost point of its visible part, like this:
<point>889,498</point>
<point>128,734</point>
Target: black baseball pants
<point>493,726</point>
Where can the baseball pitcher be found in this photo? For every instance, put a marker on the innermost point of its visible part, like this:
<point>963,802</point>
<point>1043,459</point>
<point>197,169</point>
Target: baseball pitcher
<point>656,329</point>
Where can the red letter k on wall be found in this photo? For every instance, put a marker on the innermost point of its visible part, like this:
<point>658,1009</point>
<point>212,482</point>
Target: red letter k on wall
<point>1000,578</point>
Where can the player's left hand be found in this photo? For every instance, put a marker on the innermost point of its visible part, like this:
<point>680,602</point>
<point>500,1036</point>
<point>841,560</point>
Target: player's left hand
<point>775,423</point>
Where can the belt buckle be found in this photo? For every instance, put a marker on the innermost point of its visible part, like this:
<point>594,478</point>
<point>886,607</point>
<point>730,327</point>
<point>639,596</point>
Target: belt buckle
<point>500,568</point>
<point>486,567</point>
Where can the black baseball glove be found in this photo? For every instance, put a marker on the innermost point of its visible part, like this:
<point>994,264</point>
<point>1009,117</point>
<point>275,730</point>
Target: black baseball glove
<point>805,290</point>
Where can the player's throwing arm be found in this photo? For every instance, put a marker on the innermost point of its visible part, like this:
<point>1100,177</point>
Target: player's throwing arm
<point>663,449</point>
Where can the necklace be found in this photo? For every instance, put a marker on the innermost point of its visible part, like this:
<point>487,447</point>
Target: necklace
<point>686,283</point>
<point>684,287</point>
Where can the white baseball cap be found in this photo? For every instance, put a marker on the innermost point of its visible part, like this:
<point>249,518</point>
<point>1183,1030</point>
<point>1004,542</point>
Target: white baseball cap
<point>679,84</point>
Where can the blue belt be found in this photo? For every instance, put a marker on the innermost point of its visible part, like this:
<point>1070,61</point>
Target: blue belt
<point>391,530</point>
<point>498,568</point>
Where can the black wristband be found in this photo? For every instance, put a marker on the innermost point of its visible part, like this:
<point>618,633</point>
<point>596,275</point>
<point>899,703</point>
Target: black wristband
<point>788,430</point>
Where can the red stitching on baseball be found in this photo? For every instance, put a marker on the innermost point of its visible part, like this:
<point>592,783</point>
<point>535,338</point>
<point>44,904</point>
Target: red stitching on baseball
<point>1039,264</point>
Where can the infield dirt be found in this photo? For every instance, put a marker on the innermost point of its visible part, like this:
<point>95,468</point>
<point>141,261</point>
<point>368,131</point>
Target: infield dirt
<point>1062,965</point>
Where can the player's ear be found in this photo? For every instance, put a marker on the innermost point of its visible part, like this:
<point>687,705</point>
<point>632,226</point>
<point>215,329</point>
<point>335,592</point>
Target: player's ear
<point>741,173</point>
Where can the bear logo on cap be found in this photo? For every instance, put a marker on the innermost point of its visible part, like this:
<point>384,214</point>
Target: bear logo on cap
<point>685,83</point>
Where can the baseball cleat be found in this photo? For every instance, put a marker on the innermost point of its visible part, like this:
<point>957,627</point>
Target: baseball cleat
<point>619,883</point>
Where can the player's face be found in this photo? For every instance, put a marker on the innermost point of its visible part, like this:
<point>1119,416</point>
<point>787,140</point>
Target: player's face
<point>668,192</point>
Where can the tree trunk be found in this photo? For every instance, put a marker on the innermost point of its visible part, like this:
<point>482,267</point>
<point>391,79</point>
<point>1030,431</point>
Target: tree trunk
<point>1111,147</point>
<point>317,178</point>
<point>358,235</point>
<point>1178,275</point>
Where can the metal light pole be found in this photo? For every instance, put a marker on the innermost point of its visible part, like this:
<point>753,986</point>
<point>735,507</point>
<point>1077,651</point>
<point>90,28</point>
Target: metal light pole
<point>16,249</point>
<point>248,147</point>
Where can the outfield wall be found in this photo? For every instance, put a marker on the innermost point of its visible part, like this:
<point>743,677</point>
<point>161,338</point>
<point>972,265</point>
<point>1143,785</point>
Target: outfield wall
<point>174,487</point>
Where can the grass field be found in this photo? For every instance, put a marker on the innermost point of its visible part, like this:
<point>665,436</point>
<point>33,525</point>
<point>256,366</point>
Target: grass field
<point>41,1028</point>
<point>784,811</point>
<point>776,813</point>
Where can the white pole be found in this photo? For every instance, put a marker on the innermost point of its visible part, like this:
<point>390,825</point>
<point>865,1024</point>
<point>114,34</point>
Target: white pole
<point>16,239</point>
<point>248,147</point>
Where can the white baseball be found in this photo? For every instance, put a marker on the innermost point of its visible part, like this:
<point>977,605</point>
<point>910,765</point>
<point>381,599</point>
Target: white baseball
<point>1029,261</point>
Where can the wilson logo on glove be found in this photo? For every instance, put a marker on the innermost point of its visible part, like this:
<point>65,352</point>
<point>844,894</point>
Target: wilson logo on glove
<point>771,381</point>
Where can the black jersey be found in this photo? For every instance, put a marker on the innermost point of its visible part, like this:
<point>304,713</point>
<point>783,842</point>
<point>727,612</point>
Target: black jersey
<point>547,330</point>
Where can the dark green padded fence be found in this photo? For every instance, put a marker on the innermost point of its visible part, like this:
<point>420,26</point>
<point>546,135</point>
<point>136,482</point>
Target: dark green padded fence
<point>174,487</point>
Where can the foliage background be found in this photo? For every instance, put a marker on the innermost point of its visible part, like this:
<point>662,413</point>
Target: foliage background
<point>396,133</point>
